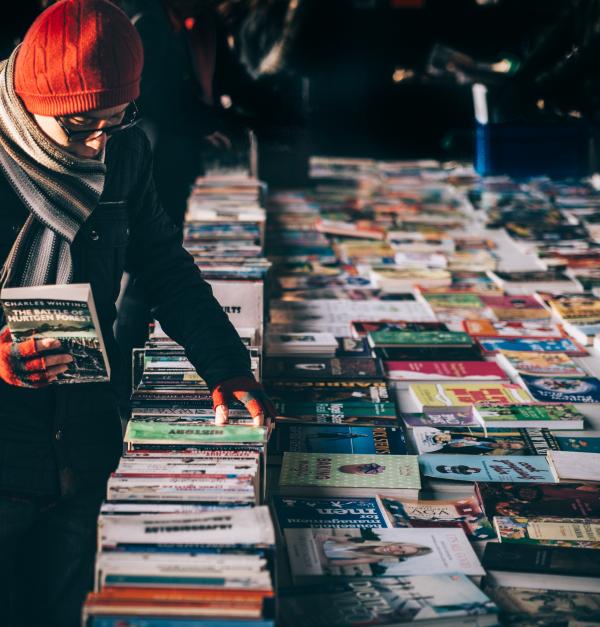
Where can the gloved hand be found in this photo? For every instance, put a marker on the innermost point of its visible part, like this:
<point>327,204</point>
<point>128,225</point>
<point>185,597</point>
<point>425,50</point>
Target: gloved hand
<point>24,364</point>
<point>247,391</point>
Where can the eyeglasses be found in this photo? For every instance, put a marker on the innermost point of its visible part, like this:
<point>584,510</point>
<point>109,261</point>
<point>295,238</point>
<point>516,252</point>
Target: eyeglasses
<point>131,117</point>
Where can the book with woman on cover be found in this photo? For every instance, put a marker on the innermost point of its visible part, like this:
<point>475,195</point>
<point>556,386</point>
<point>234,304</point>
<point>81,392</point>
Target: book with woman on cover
<point>66,313</point>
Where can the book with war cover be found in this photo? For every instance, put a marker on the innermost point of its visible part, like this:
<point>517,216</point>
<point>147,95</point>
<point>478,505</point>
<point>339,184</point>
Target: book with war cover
<point>66,313</point>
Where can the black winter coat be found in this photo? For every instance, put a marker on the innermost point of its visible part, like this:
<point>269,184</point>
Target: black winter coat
<point>62,439</point>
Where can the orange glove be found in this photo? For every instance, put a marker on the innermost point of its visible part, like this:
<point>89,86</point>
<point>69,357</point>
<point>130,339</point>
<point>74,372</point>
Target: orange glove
<point>247,391</point>
<point>24,364</point>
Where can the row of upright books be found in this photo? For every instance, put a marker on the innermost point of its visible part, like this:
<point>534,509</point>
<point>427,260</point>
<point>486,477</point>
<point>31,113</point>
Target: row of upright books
<point>183,537</point>
<point>430,351</point>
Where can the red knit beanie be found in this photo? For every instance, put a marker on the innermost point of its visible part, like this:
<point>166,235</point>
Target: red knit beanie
<point>79,55</point>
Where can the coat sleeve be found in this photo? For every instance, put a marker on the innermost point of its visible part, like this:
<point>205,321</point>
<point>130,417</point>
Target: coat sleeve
<point>181,300</point>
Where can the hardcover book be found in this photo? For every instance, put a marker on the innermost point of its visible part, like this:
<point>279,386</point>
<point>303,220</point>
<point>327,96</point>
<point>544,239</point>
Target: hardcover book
<point>333,513</point>
<point>321,474</point>
<point>518,469</point>
<point>66,313</point>
<point>325,553</point>
<point>464,512</point>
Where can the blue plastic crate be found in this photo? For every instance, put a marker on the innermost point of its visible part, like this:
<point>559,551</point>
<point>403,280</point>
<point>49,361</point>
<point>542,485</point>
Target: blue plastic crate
<point>555,149</point>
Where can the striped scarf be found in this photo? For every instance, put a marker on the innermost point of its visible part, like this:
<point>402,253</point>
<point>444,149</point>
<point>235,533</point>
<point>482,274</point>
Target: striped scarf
<point>59,190</point>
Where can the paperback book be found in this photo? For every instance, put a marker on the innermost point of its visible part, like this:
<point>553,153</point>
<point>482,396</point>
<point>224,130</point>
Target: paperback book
<point>336,474</point>
<point>549,416</point>
<point>562,345</point>
<point>549,531</point>
<point>563,389</point>
<point>331,553</point>
<point>333,513</point>
<point>518,469</point>
<point>66,313</point>
<point>443,371</point>
<point>460,512</point>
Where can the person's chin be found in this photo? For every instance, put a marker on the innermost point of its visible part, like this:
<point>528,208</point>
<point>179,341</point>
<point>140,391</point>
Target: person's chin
<point>83,151</point>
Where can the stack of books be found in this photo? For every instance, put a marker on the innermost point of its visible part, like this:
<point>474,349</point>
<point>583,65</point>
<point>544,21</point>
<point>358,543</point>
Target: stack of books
<point>183,537</point>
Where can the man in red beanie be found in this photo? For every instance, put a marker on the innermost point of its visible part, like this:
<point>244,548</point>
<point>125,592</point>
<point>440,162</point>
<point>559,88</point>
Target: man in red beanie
<point>78,205</point>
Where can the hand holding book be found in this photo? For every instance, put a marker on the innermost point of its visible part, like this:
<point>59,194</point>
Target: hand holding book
<point>28,364</point>
<point>247,391</point>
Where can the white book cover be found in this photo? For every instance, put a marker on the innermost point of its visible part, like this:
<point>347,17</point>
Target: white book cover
<point>575,466</point>
<point>379,552</point>
<point>225,527</point>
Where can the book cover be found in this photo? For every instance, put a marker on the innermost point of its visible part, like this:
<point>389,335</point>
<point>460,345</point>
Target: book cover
<point>575,466</point>
<point>533,469</point>
<point>583,308</point>
<point>465,417</point>
<point>550,560</point>
<point>530,415</point>
<point>312,368</point>
<point>540,364</point>
<point>477,441</point>
<point>436,370</point>
<point>335,412</point>
<point>563,345</point>
<point>352,347</point>
<point>579,443</point>
<point>428,353</point>
<point>563,389</point>
<point>294,513</point>
<point>429,395</point>
<point>344,439</point>
<point>464,512</point>
<point>549,531</point>
<point>361,328</point>
<point>578,500</point>
<point>140,432</point>
<point>509,329</point>
<point>353,392</point>
<point>516,308</point>
<point>471,301</point>
<point>419,338</point>
<point>385,601</point>
<point>66,313</point>
<point>324,553</point>
<point>352,471</point>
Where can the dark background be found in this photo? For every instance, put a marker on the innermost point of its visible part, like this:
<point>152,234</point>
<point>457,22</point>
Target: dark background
<point>338,76</point>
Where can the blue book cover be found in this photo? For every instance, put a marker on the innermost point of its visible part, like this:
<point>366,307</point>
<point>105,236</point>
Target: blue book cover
<point>328,513</point>
<point>532,469</point>
<point>561,345</point>
<point>579,443</point>
<point>340,439</point>
<point>563,389</point>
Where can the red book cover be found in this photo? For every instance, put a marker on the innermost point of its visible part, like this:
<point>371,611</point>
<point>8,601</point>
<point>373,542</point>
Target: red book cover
<point>439,370</point>
<point>525,328</point>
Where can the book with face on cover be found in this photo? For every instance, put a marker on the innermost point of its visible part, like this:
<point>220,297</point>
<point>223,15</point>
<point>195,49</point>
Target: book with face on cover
<point>461,512</point>
<point>478,441</point>
<point>389,601</point>
<point>460,395</point>
<point>549,531</point>
<point>319,554</point>
<point>66,313</point>
<point>518,468</point>
<point>336,474</point>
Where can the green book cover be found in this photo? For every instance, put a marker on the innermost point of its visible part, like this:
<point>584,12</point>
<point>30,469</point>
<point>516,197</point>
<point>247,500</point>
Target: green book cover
<point>529,412</point>
<point>454,300</point>
<point>416,338</point>
<point>336,410</point>
<point>140,432</point>
<point>339,470</point>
